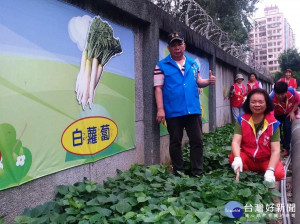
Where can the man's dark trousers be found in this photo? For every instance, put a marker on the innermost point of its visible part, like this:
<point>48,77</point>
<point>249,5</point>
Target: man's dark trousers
<point>193,126</point>
<point>286,126</point>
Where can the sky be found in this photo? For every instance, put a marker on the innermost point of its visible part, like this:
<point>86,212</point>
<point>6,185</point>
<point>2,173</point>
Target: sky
<point>291,11</point>
<point>44,36</point>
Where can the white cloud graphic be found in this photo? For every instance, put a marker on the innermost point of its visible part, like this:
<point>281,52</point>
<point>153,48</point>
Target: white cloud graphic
<point>78,30</point>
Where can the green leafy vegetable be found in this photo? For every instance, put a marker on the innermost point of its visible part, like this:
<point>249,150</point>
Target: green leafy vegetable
<point>153,195</point>
<point>101,46</point>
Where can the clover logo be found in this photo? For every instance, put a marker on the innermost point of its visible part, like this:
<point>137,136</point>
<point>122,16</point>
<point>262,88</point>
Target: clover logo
<point>15,159</point>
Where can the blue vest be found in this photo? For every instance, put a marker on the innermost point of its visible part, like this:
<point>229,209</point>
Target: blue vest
<point>180,92</point>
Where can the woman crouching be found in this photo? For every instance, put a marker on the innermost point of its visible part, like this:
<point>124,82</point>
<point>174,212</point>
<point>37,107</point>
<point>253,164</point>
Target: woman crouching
<point>256,140</point>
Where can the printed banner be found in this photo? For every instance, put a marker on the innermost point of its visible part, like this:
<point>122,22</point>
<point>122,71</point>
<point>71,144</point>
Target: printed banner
<point>67,89</point>
<point>203,92</point>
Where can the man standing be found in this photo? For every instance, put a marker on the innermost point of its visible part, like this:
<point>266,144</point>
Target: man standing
<point>176,82</point>
<point>285,100</point>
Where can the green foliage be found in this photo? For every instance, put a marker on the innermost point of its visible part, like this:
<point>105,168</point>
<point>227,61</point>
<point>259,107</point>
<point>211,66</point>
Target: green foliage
<point>217,147</point>
<point>2,219</point>
<point>168,5</point>
<point>153,195</point>
<point>278,75</point>
<point>289,59</point>
<point>231,16</point>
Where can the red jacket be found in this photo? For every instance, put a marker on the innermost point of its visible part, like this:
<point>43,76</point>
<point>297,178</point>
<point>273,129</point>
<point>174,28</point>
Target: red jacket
<point>257,147</point>
<point>255,86</point>
<point>292,83</point>
<point>237,99</point>
<point>285,107</point>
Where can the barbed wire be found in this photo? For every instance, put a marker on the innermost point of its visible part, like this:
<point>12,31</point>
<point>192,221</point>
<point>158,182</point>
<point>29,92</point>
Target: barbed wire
<point>191,13</point>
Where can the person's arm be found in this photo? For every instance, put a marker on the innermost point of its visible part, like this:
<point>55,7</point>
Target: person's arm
<point>236,148</point>
<point>205,82</point>
<point>160,117</point>
<point>237,163</point>
<point>295,106</point>
<point>200,91</point>
<point>274,159</point>
<point>292,113</point>
<point>236,145</point>
<point>247,89</point>
<point>295,84</point>
<point>158,85</point>
<point>275,154</point>
<point>297,97</point>
<point>231,91</point>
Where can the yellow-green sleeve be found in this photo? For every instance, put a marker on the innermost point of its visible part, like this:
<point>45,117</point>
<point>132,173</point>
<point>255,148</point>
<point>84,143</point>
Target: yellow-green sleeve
<point>276,136</point>
<point>237,128</point>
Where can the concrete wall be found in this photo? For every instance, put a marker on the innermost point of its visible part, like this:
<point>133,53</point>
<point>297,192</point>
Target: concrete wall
<point>225,77</point>
<point>149,24</point>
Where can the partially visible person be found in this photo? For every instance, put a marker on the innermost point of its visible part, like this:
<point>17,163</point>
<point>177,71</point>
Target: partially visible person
<point>177,80</point>
<point>288,79</point>
<point>253,83</point>
<point>200,91</point>
<point>285,100</point>
<point>291,83</point>
<point>256,140</point>
<point>237,95</point>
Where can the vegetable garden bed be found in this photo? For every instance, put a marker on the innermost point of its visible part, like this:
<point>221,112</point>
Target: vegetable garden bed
<point>153,195</point>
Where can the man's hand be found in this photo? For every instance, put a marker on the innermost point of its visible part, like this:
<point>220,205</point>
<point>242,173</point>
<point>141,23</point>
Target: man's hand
<point>212,78</point>
<point>292,116</point>
<point>269,176</point>
<point>160,117</point>
<point>237,164</point>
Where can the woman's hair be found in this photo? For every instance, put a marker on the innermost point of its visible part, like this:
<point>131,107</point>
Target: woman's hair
<point>288,70</point>
<point>252,74</point>
<point>269,103</point>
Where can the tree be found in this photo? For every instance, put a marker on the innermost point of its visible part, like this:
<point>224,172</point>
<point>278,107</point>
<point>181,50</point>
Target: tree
<point>232,16</point>
<point>278,75</point>
<point>289,59</point>
<point>169,5</point>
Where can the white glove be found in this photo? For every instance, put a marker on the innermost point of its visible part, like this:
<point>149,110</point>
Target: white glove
<point>237,163</point>
<point>269,176</point>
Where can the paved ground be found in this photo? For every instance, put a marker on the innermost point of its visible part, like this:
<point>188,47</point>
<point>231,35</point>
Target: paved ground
<point>289,192</point>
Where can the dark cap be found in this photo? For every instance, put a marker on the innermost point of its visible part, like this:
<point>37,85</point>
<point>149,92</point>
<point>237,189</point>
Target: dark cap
<point>175,36</point>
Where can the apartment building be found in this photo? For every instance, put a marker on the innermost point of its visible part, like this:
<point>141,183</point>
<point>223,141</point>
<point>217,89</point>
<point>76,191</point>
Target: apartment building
<point>271,35</point>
